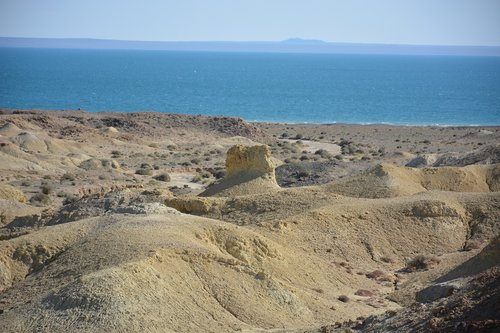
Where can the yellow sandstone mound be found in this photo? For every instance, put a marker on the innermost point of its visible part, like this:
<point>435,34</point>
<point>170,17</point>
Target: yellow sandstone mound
<point>249,170</point>
<point>385,181</point>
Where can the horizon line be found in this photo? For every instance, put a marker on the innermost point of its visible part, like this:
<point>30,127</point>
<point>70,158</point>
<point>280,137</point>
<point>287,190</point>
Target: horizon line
<point>308,41</point>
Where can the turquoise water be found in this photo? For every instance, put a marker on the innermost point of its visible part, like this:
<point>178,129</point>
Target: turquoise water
<point>257,86</point>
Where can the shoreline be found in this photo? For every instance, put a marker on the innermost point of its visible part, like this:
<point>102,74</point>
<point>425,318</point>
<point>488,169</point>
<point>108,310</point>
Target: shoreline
<point>6,110</point>
<point>373,124</point>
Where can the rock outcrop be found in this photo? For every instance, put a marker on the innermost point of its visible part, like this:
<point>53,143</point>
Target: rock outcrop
<point>243,161</point>
<point>250,170</point>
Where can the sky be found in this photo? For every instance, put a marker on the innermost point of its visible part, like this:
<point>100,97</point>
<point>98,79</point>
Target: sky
<point>430,22</point>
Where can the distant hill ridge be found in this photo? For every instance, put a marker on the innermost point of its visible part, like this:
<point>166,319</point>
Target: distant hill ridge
<point>292,45</point>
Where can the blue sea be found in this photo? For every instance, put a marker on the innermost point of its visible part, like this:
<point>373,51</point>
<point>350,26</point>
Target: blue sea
<point>274,87</point>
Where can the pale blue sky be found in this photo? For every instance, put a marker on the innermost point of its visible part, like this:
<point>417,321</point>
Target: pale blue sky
<point>445,22</point>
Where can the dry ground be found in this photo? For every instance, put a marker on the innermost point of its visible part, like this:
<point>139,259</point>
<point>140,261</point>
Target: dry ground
<point>352,240</point>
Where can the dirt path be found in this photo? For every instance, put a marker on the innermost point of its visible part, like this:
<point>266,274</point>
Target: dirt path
<point>181,179</point>
<point>313,146</point>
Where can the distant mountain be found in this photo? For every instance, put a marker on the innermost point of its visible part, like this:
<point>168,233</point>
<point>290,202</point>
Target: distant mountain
<point>303,41</point>
<point>293,45</point>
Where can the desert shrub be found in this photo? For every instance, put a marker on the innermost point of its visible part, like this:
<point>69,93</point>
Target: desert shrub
<point>196,161</point>
<point>164,177</point>
<point>146,166</point>
<point>363,292</point>
<point>388,260</point>
<point>40,199</point>
<point>171,147</point>
<point>473,244</point>
<point>47,189</point>
<point>343,298</point>
<point>70,199</point>
<point>186,164</point>
<point>47,177</point>
<point>323,153</point>
<point>144,172</point>
<point>68,176</point>
<point>25,183</point>
<point>303,174</point>
<point>218,174</point>
<point>284,135</point>
<point>299,136</point>
<point>421,262</point>
<point>196,179</point>
<point>379,276</point>
<point>304,158</point>
<point>205,174</point>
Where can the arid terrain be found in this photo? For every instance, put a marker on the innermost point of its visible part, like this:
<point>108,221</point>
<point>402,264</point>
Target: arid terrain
<point>150,222</point>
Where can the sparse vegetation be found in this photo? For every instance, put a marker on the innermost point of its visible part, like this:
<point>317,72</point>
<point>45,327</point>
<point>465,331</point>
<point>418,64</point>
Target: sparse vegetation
<point>323,153</point>
<point>379,276</point>
<point>71,198</point>
<point>421,262</point>
<point>40,199</point>
<point>363,292</point>
<point>69,177</point>
<point>164,177</point>
<point>47,189</point>
<point>473,244</point>
<point>343,298</point>
<point>144,172</point>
